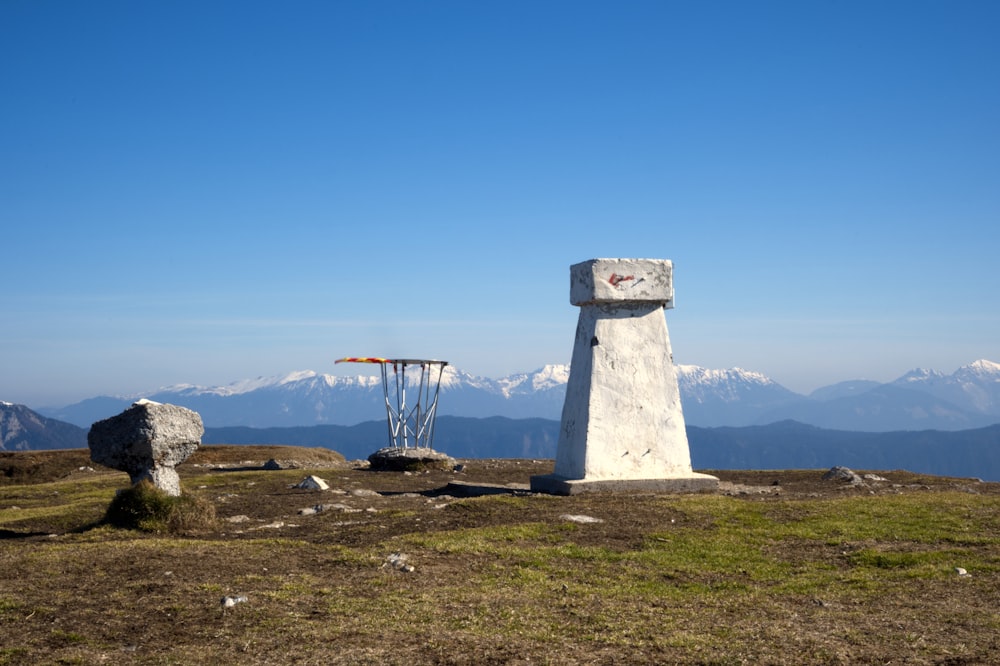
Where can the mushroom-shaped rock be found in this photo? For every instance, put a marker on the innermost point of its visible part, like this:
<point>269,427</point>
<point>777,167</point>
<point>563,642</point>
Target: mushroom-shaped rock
<point>147,441</point>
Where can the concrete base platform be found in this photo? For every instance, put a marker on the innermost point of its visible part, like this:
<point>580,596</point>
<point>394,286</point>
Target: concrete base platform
<point>393,459</point>
<point>557,485</point>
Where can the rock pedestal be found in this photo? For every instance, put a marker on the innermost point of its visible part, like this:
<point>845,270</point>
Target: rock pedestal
<point>622,424</point>
<point>397,459</point>
<point>147,441</point>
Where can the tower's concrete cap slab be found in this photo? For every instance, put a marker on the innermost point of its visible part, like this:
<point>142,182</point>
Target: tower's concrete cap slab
<point>618,280</point>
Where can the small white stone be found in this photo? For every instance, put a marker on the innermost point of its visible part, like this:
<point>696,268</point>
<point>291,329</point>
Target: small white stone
<point>312,483</point>
<point>580,518</point>
<point>398,561</point>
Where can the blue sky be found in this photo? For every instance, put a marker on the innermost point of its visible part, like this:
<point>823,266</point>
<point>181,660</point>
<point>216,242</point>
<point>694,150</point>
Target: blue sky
<point>205,192</point>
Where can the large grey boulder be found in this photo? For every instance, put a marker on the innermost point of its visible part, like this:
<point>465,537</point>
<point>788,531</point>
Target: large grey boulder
<point>147,441</point>
<point>845,474</point>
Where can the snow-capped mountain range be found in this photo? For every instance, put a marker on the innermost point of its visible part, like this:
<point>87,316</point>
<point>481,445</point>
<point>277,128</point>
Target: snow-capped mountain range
<point>919,400</point>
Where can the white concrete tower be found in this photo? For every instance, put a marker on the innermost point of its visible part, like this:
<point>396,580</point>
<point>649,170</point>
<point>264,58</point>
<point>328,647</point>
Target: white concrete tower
<point>622,423</point>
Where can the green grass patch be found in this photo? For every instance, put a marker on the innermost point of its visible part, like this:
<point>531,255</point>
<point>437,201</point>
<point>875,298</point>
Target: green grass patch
<point>147,508</point>
<point>57,506</point>
<point>494,540</point>
<point>13,655</point>
<point>733,547</point>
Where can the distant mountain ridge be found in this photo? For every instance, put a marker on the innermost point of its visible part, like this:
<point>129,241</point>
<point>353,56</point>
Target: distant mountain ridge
<point>22,429</point>
<point>976,384</point>
<point>729,397</point>
<point>309,398</point>
<point>919,400</point>
<point>782,445</point>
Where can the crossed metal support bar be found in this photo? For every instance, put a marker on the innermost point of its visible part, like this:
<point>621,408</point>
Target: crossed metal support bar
<point>409,426</point>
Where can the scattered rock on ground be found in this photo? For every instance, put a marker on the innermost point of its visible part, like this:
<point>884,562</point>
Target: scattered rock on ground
<point>399,562</point>
<point>580,518</point>
<point>342,508</point>
<point>728,488</point>
<point>312,483</point>
<point>844,474</point>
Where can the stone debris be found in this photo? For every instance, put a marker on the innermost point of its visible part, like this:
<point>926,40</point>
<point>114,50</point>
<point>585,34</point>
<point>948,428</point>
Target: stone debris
<point>312,483</point>
<point>844,474</point>
<point>147,441</point>
<point>399,562</point>
<point>466,489</point>
<point>580,518</point>
<point>731,489</point>
<point>342,508</point>
<point>319,508</point>
<point>961,572</point>
<point>362,492</point>
<point>875,477</point>
<point>238,519</point>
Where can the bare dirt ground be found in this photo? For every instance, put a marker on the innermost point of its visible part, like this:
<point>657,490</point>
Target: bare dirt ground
<point>778,567</point>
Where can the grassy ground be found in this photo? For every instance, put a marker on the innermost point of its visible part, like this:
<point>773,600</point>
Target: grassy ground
<point>777,568</point>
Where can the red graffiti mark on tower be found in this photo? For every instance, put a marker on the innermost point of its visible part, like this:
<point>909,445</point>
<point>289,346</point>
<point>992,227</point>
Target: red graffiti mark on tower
<point>616,279</point>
